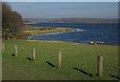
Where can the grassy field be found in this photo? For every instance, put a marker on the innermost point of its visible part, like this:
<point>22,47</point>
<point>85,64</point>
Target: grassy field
<point>74,55</point>
<point>0,60</point>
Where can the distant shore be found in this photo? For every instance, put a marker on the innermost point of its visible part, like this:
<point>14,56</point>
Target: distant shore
<point>31,30</point>
<point>75,20</point>
<point>28,31</point>
<point>30,22</point>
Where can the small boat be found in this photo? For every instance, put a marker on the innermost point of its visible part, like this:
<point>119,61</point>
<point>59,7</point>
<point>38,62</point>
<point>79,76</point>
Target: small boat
<point>99,42</point>
<point>92,43</point>
<point>96,42</point>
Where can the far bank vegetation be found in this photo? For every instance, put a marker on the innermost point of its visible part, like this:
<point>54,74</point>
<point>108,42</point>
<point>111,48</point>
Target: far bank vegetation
<point>30,30</point>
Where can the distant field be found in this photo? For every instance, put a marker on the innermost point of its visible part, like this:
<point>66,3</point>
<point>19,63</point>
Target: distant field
<point>44,30</point>
<point>71,20</point>
<point>74,55</point>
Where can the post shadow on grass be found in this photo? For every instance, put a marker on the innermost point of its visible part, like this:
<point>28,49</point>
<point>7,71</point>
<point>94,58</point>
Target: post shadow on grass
<point>96,74</point>
<point>13,54</point>
<point>84,72</point>
<point>49,63</point>
<point>115,77</point>
<point>29,58</point>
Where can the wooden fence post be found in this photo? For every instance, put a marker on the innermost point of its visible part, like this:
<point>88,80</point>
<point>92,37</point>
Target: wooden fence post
<point>33,54</point>
<point>15,50</point>
<point>59,59</point>
<point>100,67</point>
<point>3,47</point>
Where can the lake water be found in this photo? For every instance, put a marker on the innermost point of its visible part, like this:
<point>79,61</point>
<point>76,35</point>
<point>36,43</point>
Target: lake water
<point>108,33</point>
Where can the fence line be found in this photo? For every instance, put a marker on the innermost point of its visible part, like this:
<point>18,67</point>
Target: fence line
<point>100,67</point>
<point>59,59</point>
<point>15,50</point>
<point>3,47</point>
<point>33,54</point>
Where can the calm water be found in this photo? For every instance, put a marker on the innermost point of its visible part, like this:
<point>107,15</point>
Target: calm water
<point>107,33</point>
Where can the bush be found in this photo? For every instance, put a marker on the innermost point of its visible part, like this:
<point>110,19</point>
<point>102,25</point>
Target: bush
<point>11,22</point>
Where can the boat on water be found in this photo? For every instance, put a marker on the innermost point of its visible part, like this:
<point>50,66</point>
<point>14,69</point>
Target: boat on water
<point>96,42</point>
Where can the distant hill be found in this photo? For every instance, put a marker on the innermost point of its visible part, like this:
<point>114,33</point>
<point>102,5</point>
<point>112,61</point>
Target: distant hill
<point>72,20</point>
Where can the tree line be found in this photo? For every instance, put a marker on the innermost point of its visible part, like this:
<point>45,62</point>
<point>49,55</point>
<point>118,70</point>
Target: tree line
<point>11,23</point>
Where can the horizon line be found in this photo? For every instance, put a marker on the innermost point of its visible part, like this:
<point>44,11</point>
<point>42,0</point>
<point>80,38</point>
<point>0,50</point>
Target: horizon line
<point>67,18</point>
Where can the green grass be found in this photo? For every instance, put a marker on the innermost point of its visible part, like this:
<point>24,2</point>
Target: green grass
<point>0,60</point>
<point>82,56</point>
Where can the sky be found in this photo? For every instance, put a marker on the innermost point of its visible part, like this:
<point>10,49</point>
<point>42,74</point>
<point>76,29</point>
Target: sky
<point>61,0</point>
<point>66,9</point>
